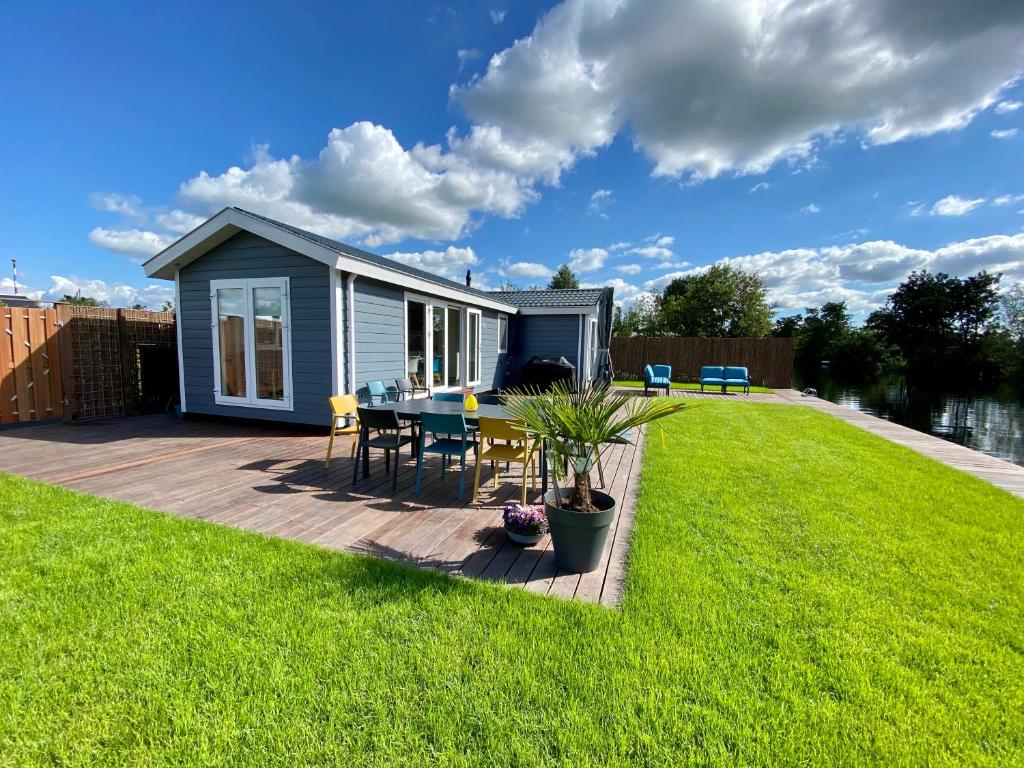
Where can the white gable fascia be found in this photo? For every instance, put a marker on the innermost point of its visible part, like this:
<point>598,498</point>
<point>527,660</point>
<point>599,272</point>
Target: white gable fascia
<point>230,222</point>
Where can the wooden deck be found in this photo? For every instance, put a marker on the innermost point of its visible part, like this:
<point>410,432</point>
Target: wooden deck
<point>273,482</point>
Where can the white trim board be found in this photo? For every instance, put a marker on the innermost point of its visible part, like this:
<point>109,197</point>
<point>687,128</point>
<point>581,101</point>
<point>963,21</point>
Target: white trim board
<point>181,348</point>
<point>231,221</point>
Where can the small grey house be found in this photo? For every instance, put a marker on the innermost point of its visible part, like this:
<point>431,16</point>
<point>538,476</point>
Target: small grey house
<point>273,319</point>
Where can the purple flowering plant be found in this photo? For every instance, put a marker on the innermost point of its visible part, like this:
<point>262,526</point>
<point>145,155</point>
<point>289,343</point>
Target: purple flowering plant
<point>525,519</point>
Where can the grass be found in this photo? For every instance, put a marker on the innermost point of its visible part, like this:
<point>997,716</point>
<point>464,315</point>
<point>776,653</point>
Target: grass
<point>693,385</point>
<point>801,592</point>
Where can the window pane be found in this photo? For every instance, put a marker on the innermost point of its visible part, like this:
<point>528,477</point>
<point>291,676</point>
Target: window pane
<point>474,347</point>
<point>269,326</point>
<point>502,333</point>
<point>454,345</point>
<point>231,325</point>
<point>437,324</point>
<point>415,332</point>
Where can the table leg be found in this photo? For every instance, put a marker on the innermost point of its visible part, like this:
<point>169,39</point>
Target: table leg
<point>366,452</point>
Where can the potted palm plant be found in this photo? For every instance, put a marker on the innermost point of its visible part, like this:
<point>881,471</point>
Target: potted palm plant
<point>577,427</point>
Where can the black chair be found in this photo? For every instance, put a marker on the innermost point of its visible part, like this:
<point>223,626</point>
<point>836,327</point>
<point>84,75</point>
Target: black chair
<point>388,437</point>
<point>406,389</point>
<point>489,399</point>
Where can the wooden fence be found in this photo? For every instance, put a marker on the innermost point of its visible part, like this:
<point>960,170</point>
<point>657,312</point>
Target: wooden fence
<point>769,360</point>
<point>81,362</point>
<point>30,371</point>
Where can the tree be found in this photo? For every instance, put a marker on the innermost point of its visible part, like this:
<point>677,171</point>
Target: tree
<point>82,301</point>
<point>939,322</point>
<point>168,306</point>
<point>641,319</point>
<point>1011,312</point>
<point>564,278</point>
<point>721,301</point>
<point>510,286</point>
<point>788,327</point>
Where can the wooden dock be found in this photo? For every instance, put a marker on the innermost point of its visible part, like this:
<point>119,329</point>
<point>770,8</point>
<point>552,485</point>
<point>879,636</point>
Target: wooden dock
<point>273,482</point>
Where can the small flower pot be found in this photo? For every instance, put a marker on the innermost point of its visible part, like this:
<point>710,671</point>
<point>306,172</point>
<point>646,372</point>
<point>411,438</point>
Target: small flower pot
<point>578,537</point>
<point>526,539</point>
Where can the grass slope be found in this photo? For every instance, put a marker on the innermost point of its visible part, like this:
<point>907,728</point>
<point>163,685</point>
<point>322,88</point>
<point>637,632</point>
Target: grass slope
<point>800,592</point>
<point>693,385</point>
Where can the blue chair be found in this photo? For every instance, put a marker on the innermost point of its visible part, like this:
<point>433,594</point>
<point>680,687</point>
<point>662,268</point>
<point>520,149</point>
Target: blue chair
<point>736,376</point>
<point>457,443</point>
<point>489,399</point>
<point>378,393</point>
<point>388,438</point>
<point>712,376</point>
<point>448,397</point>
<point>657,377</point>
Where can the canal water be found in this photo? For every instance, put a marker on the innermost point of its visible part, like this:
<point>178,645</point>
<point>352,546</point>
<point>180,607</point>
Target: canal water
<point>990,421</point>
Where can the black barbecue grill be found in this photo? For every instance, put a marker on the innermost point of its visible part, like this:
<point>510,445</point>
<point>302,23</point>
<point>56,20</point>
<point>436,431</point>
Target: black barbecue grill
<point>542,372</point>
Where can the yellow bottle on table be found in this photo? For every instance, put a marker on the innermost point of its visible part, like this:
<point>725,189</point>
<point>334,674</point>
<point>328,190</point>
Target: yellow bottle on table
<point>471,402</point>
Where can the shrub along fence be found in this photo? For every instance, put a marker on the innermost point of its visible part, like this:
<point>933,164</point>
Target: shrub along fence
<point>75,362</point>
<point>769,360</point>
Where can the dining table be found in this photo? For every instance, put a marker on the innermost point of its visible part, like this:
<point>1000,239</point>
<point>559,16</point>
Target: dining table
<point>411,408</point>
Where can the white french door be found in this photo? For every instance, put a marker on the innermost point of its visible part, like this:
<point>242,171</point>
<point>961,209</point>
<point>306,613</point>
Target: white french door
<point>445,337</point>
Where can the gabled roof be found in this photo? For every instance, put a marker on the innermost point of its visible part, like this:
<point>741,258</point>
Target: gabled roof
<point>559,301</point>
<point>347,258</point>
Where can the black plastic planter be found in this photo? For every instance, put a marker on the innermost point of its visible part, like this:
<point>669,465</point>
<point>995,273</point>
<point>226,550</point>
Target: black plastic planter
<point>578,537</point>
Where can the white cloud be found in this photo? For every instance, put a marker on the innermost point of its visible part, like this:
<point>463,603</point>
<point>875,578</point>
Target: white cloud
<point>1007,200</point>
<point>653,252</point>
<point>587,259</point>
<point>621,246</point>
<point>1006,107</point>
<point>179,222</point>
<point>152,296</point>
<point>863,274</point>
<point>706,87</point>
<point>761,186</point>
<point>629,269</point>
<point>525,269</point>
<point>625,293</point>
<point>465,55</point>
<point>1007,133</point>
<point>600,200</point>
<point>132,242</point>
<point>111,202</point>
<point>452,262</point>
<point>954,205</point>
<point>811,208</point>
<point>497,16</point>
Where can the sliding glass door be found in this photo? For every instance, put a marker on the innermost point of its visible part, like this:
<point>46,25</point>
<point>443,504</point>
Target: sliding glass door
<point>434,341</point>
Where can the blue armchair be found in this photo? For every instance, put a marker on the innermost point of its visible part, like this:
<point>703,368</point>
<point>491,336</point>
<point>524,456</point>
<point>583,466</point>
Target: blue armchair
<point>657,377</point>
<point>737,376</point>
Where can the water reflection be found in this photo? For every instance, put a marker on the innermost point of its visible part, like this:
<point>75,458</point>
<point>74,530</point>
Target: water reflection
<point>991,422</point>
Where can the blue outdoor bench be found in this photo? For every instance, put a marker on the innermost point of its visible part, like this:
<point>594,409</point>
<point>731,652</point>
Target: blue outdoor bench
<point>724,377</point>
<point>657,377</point>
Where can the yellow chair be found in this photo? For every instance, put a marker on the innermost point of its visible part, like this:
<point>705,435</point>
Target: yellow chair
<point>518,451</point>
<point>344,409</point>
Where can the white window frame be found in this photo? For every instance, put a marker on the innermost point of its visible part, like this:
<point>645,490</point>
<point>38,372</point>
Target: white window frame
<point>251,400</point>
<point>434,304</point>
<point>592,347</point>
<point>479,347</point>
<point>502,320</point>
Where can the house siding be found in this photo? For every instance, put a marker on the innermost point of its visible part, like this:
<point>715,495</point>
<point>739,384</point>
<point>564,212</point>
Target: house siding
<point>379,314</point>
<point>549,336</point>
<point>248,256</point>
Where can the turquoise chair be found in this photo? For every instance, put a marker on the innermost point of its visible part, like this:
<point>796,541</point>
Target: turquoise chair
<point>657,377</point>
<point>378,392</point>
<point>457,443</point>
<point>736,376</point>
<point>712,376</point>
<point>448,397</point>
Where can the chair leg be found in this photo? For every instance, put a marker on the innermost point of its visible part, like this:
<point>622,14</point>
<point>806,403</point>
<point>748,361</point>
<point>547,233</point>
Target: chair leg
<point>522,499</point>
<point>496,467</point>
<point>476,481</point>
<point>419,470</point>
<point>355,442</point>
<point>394,470</point>
<point>462,475</point>
<point>330,445</point>
<point>355,467</point>
<point>387,460</point>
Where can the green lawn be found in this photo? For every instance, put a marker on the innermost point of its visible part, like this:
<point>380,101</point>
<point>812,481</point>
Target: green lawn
<point>799,593</point>
<point>691,385</point>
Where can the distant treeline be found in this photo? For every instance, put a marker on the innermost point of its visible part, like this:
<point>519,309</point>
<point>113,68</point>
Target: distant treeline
<point>933,324</point>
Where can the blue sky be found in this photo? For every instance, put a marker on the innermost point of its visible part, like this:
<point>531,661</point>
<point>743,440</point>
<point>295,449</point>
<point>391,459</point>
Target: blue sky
<point>830,148</point>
